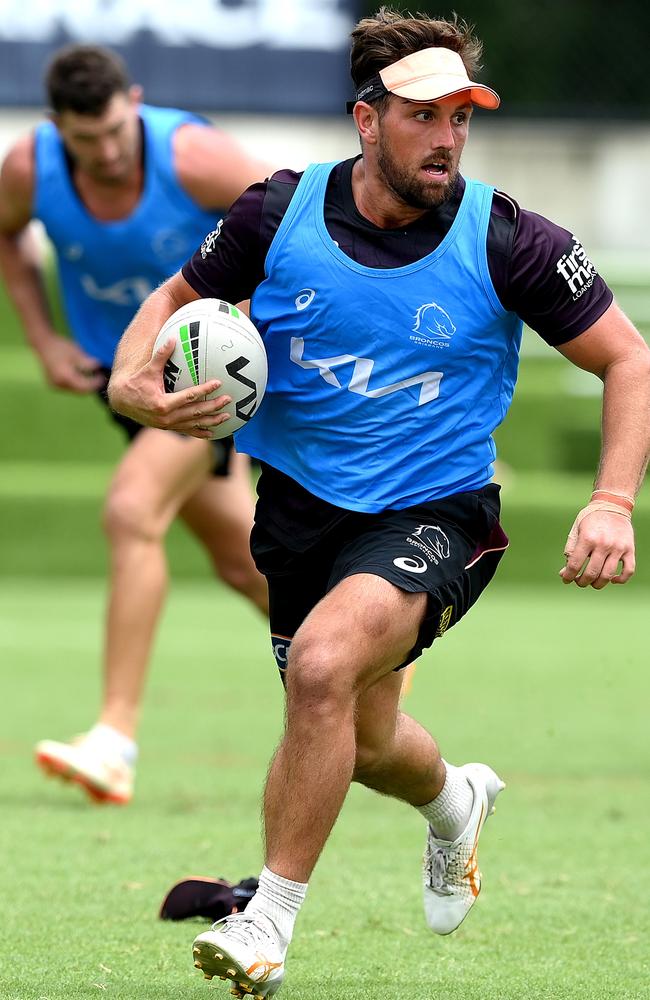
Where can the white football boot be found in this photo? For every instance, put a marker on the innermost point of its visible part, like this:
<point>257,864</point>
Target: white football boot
<point>244,949</point>
<point>106,777</point>
<point>451,875</point>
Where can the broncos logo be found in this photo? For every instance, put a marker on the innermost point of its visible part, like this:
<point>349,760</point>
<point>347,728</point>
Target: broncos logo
<point>434,537</point>
<point>432,320</point>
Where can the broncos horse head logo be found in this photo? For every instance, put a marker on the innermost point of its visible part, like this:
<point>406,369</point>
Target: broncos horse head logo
<point>434,537</point>
<point>431,320</point>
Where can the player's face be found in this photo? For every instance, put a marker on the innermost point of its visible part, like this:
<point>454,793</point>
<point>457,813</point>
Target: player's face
<point>419,148</point>
<point>106,147</point>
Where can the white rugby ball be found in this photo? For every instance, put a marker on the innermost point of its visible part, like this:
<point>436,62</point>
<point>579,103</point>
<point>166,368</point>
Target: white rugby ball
<point>215,339</point>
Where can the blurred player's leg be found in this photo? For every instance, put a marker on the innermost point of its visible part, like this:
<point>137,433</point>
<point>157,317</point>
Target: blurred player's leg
<point>153,482</point>
<point>220,514</point>
<point>154,479</point>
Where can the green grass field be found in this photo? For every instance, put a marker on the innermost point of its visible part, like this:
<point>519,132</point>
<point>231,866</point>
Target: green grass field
<point>548,684</point>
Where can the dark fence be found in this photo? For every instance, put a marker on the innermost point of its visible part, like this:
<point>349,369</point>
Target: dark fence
<point>229,55</point>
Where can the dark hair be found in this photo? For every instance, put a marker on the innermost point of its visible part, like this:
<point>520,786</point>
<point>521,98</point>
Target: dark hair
<point>84,78</point>
<point>390,35</point>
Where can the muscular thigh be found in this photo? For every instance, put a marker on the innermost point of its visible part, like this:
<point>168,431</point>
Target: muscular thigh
<point>363,628</point>
<point>158,473</point>
<point>220,511</point>
<point>363,620</point>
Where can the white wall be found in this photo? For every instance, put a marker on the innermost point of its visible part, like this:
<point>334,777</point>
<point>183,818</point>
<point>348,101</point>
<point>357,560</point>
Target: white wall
<point>591,178</point>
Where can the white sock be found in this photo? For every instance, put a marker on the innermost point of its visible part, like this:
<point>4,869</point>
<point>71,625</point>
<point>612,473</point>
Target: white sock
<point>109,740</point>
<point>448,814</point>
<point>279,899</point>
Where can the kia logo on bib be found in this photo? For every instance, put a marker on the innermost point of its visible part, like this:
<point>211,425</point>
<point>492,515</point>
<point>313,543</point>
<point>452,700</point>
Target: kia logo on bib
<point>359,380</point>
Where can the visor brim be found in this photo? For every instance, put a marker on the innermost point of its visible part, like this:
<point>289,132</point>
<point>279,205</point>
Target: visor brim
<point>429,91</point>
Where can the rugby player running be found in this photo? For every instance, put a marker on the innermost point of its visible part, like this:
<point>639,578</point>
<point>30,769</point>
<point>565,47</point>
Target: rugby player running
<point>390,293</point>
<point>125,191</point>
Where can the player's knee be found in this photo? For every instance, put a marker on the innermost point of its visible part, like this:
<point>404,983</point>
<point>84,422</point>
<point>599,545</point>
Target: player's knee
<point>240,574</point>
<point>126,517</point>
<point>316,679</point>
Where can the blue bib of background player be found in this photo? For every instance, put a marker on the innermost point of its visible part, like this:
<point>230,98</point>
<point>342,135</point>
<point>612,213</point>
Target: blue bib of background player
<point>384,384</point>
<point>107,269</point>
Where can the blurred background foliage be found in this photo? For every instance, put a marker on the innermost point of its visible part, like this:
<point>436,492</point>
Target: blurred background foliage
<point>559,59</point>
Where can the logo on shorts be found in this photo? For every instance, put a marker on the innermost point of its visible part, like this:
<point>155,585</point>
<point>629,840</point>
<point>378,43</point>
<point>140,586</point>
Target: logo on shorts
<point>576,269</point>
<point>414,564</point>
<point>432,540</point>
<point>433,326</point>
<point>445,618</point>
<point>280,645</point>
<point>429,539</point>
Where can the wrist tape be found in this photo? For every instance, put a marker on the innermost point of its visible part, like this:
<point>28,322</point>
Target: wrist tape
<point>622,499</point>
<point>595,505</point>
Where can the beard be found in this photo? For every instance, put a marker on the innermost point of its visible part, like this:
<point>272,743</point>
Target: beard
<point>412,188</point>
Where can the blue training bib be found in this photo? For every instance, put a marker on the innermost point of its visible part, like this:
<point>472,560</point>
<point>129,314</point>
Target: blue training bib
<point>107,269</point>
<point>385,385</point>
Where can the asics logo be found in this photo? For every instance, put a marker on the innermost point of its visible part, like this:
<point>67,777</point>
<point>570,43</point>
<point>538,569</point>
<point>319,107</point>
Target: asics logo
<point>413,564</point>
<point>304,298</point>
<point>429,382</point>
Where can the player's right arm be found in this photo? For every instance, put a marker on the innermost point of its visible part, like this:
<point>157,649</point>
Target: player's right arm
<point>229,265</point>
<point>136,387</point>
<point>64,364</point>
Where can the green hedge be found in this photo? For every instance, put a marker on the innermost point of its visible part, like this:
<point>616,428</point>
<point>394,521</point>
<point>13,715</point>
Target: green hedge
<point>59,450</point>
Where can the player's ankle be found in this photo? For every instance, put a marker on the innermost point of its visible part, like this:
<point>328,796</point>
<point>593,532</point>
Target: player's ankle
<point>279,900</point>
<point>113,741</point>
<point>448,813</point>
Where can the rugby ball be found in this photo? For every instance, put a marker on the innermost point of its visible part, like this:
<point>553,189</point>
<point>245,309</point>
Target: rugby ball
<point>214,339</point>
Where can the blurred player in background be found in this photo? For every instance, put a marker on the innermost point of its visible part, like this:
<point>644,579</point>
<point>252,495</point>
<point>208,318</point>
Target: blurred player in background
<point>125,192</point>
<point>390,293</point>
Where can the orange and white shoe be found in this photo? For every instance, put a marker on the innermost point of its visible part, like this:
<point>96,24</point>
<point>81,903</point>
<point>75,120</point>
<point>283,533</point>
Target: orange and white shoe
<point>244,949</point>
<point>104,776</point>
<point>451,876</point>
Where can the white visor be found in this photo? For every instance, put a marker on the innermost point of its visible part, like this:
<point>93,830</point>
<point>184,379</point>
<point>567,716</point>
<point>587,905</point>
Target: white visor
<point>431,74</point>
